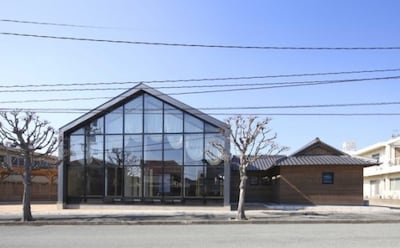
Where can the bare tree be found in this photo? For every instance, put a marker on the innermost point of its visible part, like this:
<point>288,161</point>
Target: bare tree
<point>251,138</point>
<point>34,137</point>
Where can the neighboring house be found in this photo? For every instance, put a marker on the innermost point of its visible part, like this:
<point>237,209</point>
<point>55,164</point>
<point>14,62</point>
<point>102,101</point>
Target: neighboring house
<point>316,174</point>
<point>44,176</point>
<point>143,147</point>
<point>382,182</point>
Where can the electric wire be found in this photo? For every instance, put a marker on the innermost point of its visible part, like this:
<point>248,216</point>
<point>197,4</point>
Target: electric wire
<point>197,45</point>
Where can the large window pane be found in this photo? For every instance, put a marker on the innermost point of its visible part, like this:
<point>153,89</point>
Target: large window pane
<point>95,181</point>
<point>173,149</point>
<point>77,150</point>
<point>214,148</point>
<point>133,149</point>
<point>152,181</point>
<point>75,181</point>
<point>153,149</point>
<point>214,181</point>
<point>173,119</point>
<point>152,115</point>
<point>95,150</point>
<point>133,181</point>
<point>96,126</point>
<point>114,156</point>
<point>193,125</point>
<point>194,149</point>
<point>194,180</point>
<point>114,121</point>
<point>172,185</point>
<point>114,181</point>
<point>134,116</point>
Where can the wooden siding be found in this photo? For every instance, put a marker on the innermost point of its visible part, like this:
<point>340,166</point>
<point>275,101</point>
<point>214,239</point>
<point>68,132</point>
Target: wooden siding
<point>303,185</point>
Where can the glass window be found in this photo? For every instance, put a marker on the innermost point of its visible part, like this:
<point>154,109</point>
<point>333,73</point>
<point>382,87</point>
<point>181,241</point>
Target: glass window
<point>80,131</point>
<point>152,181</point>
<point>114,121</point>
<point>94,181</point>
<point>194,180</point>
<point>152,115</point>
<point>193,149</point>
<point>173,149</point>
<point>95,151</point>
<point>172,183</point>
<point>75,181</point>
<point>114,150</point>
<point>133,149</point>
<point>327,177</point>
<point>77,150</point>
<point>133,181</point>
<point>192,124</point>
<point>173,120</point>
<point>214,181</point>
<point>214,148</point>
<point>395,184</point>
<point>97,126</point>
<point>211,129</point>
<point>114,181</point>
<point>153,148</point>
<point>134,116</point>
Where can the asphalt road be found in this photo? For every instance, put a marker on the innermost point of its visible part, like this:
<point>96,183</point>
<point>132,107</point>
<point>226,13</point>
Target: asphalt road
<point>234,235</point>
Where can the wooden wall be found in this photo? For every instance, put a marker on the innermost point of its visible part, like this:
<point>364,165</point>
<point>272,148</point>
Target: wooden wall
<point>303,185</point>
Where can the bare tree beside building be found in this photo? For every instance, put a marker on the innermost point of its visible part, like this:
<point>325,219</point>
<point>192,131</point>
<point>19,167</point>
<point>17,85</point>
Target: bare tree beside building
<point>251,138</point>
<point>33,136</point>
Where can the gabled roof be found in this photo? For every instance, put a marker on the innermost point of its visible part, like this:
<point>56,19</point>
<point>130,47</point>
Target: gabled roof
<point>317,147</point>
<point>129,94</point>
<point>315,153</point>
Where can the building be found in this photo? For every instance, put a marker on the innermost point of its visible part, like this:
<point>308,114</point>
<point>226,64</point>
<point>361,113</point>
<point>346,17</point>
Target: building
<point>144,147</point>
<point>382,182</point>
<point>317,174</point>
<point>44,176</point>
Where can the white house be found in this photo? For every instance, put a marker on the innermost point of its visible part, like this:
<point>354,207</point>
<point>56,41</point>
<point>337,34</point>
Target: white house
<point>382,182</point>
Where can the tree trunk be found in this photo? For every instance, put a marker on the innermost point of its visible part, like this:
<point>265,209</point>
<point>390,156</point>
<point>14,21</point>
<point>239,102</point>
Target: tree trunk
<point>26,199</point>
<point>242,195</point>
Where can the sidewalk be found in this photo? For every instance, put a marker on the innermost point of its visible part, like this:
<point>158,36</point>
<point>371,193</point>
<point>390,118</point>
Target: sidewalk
<point>49,214</point>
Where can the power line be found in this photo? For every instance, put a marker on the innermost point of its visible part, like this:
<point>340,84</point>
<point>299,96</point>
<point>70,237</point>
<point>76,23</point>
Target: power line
<point>261,86</point>
<point>198,45</point>
<point>307,106</point>
<point>200,79</point>
<point>53,24</point>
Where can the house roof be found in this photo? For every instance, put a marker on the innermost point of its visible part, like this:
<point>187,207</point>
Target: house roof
<point>129,94</point>
<point>315,153</point>
<point>393,141</point>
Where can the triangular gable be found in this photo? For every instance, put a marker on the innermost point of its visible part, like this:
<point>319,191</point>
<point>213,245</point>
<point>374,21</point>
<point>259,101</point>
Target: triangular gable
<point>129,94</point>
<point>317,147</point>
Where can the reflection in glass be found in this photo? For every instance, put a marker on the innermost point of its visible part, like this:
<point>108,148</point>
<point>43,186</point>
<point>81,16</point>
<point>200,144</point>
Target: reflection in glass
<point>114,181</point>
<point>152,181</point>
<point>173,119</point>
<point>133,149</point>
<point>95,152</point>
<point>173,149</point>
<point>96,126</point>
<point>214,181</point>
<point>94,181</point>
<point>172,184</point>
<point>194,180</point>
<point>152,148</point>
<point>214,144</point>
<point>134,116</point>
<point>194,149</point>
<point>114,121</point>
<point>114,156</point>
<point>192,124</point>
<point>77,150</point>
<point>133,181</point>
<point>75,181</point>
<point>152,114</point>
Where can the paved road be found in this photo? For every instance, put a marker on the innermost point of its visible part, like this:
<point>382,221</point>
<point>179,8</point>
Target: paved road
<point>273,235</point>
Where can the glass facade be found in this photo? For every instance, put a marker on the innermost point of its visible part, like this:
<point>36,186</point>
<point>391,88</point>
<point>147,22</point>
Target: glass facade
<point>145,150</point>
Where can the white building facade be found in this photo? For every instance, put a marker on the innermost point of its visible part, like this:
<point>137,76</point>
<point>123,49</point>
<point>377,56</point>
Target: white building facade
<point>382,182</point>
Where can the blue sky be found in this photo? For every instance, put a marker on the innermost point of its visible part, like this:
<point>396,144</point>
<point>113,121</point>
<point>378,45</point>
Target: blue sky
<point>25,61</point>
